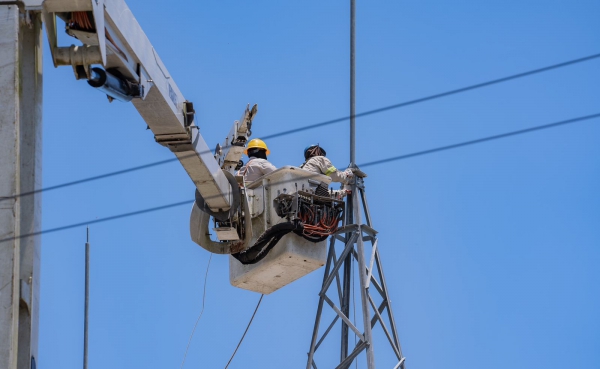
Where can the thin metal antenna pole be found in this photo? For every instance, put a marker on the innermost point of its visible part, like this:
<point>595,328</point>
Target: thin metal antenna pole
<point>345,303</point>
<point>87,299</point>
<point>352,82</point>
<point>355,235</point>
<point>347,268</point>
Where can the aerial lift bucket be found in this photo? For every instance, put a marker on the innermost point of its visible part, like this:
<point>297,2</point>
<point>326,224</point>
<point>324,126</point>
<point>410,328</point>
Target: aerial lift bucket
<point>280,198</point>
<point>293,256</point>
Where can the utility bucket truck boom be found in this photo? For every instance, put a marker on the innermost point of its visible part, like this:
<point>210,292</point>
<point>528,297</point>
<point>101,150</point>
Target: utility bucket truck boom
<point>274,228</point>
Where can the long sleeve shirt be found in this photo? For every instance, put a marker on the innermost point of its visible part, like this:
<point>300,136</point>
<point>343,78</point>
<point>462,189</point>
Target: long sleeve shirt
<point>256,168</point>
<point>322,165</point>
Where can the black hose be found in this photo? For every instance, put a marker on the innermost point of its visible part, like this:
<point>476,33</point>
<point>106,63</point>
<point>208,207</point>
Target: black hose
<point>265,243</point>
<point>271,236</point>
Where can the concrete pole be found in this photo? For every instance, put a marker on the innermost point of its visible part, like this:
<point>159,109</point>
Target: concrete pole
<point>20,168</point>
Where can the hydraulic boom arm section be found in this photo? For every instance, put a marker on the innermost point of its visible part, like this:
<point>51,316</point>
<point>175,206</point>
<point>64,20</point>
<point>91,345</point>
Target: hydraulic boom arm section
<point>131,70</point>
<point>274,228</point>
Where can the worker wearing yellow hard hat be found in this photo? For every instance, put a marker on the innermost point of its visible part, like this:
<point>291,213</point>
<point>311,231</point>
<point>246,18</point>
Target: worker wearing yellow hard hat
<point>257,165</point>
<point>257,143</point>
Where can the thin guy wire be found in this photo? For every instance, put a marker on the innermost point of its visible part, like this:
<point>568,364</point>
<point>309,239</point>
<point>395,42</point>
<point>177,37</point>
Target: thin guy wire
<point>352,83</point>
<point>201,311</point>
<point>395,158</point>
<point>322,124</point>
<point>246,331</point>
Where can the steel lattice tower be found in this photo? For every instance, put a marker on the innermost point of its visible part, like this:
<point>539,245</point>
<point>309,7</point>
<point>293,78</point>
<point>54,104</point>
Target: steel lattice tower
<point>355,238</point>
<point>352,238</point>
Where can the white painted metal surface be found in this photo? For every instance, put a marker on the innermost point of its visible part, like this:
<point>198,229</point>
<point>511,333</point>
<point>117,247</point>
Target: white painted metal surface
<point>98,10</point>
<point>127,49</point>
<point>293,257</point>
<point>68,5</point>
<point>230,152</point>
<point>162,107</point>
<point>33,5</point>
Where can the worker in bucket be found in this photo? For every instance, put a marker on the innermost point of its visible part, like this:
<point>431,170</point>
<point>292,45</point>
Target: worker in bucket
<point>257,165</point>
<point>316,162</point>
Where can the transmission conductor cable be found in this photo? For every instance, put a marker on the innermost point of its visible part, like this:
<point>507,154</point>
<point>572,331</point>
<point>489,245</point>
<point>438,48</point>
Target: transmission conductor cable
<point>246,331</point>
<point>376,162</point>
<point>322,124</point>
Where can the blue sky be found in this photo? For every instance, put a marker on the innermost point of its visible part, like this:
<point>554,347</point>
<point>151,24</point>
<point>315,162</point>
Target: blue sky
<point>491,251</point>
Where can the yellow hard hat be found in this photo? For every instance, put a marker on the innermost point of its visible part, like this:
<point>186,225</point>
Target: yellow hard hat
<point>257,143</point>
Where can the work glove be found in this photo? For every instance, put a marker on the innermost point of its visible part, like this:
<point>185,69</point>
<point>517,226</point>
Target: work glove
<point>348,173</point>
<point>339,194</point>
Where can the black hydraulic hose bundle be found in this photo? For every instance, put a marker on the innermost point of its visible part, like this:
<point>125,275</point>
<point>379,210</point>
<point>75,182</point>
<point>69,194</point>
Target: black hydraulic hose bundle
<point>266,242</point>
<point>270,238</point>
<point>315,222</point>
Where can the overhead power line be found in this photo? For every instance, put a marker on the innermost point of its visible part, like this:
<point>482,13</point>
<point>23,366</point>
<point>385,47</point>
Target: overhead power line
<point>376,162</point>
<point>101,220</point>
<point>480,140</point>
<point>246,331</point>
<point>322,124</point>
<point>437,96</point>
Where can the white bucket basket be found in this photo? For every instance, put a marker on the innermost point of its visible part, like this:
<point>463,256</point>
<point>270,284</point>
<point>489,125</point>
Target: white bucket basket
<point>293,257</point>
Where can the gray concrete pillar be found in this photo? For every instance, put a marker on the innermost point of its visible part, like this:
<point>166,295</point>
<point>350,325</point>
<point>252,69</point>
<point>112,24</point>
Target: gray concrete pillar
<point>20,173</point>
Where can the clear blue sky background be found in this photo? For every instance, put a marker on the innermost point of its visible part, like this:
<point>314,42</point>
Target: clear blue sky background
<point>491,251</point>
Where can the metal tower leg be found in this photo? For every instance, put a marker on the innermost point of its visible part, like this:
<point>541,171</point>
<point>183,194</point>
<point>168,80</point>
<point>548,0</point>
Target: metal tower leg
<point>347,280</point>
<point>358,241</point>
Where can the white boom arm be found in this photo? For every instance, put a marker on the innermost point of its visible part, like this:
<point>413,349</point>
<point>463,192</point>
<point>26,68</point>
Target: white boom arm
<point>133,71</point>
